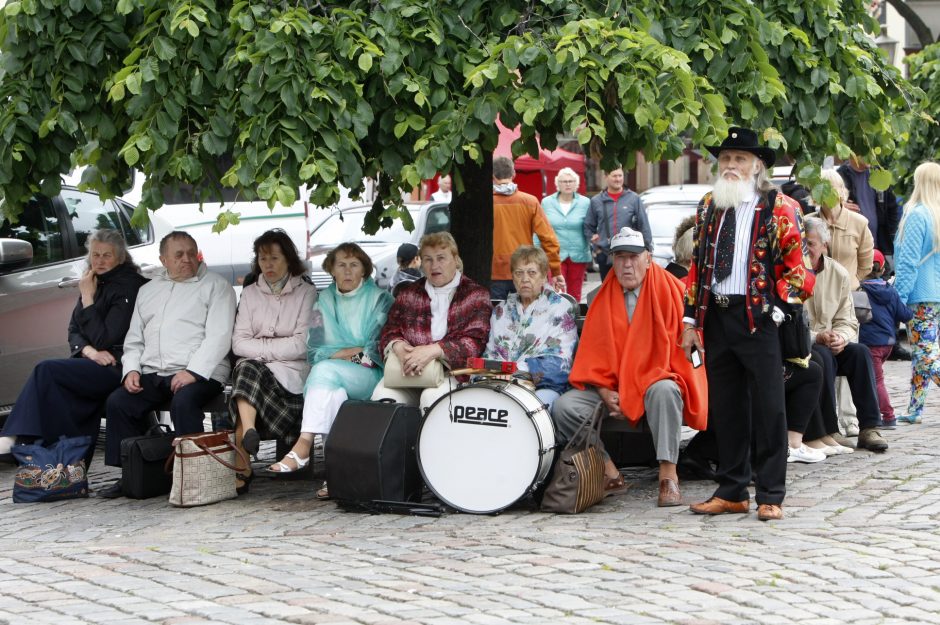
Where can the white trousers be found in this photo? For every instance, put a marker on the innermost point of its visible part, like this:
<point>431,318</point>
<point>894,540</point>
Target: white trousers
<point>320,408</point>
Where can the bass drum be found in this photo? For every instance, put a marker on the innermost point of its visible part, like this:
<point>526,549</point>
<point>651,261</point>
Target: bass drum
<point>484,446</point>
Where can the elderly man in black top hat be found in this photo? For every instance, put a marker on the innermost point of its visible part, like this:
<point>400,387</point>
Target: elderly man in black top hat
<point>748,267</point>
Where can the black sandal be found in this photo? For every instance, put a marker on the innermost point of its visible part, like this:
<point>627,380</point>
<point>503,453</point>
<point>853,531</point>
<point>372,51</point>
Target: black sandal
<point>251,441</point>
<point>246,482</point>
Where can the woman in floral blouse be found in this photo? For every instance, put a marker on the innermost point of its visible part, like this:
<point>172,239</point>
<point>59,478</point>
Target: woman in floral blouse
<point>535,327</point>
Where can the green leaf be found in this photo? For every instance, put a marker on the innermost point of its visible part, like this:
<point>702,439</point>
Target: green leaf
<point>880,179</point>
<point>12,9</point>
<point>267,189</point>
<point>286,195</point>
<point>191,27</point>
<point>584,136</point>
<point>365,61</point>
<point>164,48</point>
<point>131,156</point>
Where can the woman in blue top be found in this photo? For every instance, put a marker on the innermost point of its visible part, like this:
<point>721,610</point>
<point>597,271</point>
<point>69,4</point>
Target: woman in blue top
<point>342,346</point>
<point>917,269</point>
<point>566,210</point>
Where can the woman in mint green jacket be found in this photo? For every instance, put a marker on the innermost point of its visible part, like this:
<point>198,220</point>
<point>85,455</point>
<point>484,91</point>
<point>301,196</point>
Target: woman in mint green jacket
<point>566,210</point>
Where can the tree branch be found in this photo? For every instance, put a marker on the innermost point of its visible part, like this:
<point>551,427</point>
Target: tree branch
<point>917,24</point>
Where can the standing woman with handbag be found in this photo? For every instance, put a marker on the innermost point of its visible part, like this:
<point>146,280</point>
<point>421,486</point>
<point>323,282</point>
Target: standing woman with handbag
<point>436,322</point>
<point>269,339</point>
<point>917,281</point>
<point>66,397</point>
<point>342,347</point>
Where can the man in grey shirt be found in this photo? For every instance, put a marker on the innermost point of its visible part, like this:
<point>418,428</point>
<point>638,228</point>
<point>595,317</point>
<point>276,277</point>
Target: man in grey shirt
<point>614,208</point>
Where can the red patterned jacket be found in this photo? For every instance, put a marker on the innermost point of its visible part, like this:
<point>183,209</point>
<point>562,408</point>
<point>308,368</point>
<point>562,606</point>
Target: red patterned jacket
<point>779,268</point>
<point>468,320</point>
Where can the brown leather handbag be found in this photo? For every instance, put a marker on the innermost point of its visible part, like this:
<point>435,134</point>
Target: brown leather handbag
<point>578,480</point>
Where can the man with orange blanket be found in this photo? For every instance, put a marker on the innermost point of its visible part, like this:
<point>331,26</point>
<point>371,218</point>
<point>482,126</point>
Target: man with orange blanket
<point>629,358</point>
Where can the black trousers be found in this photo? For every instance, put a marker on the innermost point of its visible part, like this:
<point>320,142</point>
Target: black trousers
<point>746,401</point>
<point>127,412</point>
<point>825,419</point>
<point>63,397</point>
<point>854,362</point>
<point>802,386</point>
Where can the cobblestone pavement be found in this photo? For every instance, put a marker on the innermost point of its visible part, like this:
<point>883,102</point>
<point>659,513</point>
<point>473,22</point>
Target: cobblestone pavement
<point>860,544</point>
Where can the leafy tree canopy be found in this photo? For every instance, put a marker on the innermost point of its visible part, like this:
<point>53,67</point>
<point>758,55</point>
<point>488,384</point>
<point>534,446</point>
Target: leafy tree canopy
<point>924,144</point>
<point>314,92</point>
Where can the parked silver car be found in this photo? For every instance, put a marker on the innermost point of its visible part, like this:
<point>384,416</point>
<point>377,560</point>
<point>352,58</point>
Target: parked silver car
<point>345,225</point>
<point>666,206</point>
<point>42,257</point>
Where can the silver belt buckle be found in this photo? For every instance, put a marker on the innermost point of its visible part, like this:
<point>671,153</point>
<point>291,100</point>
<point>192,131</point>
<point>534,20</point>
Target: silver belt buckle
<point>721,300</point>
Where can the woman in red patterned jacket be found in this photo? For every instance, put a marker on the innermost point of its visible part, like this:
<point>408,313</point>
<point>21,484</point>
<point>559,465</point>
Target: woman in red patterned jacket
<point>445,316</point>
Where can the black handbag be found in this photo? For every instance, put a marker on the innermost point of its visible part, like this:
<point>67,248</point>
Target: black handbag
<point>796,340</point>
<point>143,460</point>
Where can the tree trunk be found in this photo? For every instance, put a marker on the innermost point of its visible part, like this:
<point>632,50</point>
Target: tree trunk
<point>471,218</point>
<point>917,25</point>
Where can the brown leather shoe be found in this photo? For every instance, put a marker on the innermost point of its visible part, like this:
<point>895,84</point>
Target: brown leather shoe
<point>669,493</point>
<point>717,505</point>
<point>769,512</point>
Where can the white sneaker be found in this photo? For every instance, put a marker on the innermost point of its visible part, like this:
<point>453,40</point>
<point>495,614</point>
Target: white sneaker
<point>837,450</point>
<point>851,429</point>
<point>805,454</point>
<point>6,444</point>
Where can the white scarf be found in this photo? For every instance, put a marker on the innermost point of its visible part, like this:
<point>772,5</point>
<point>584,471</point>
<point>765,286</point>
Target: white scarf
<point>352,292</point>
<point>441,297</point>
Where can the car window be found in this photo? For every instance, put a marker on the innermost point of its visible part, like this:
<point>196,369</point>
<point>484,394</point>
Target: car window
<point>335,230</point>
<point>438,220</point>
<point>39,225</point>
<point>89,213</point>
<point>133,236</point>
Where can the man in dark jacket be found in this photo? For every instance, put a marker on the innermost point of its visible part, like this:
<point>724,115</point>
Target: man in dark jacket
<point>611,210</point>
<point>879,207</point>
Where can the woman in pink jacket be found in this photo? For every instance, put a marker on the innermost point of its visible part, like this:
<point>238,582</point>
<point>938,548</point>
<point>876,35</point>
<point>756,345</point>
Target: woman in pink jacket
<point>270,340</point>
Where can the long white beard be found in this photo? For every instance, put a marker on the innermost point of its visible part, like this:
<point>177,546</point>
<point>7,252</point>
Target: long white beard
<point>730,193</point>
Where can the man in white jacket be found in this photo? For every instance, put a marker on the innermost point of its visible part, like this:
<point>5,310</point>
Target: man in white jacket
<point>176,348</point>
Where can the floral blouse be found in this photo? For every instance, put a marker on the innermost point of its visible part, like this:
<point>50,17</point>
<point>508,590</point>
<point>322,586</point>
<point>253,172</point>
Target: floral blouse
<point>546,329</point>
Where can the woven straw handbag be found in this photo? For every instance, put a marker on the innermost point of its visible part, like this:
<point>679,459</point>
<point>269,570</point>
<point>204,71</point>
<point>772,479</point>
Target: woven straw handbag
<point>204,468</point>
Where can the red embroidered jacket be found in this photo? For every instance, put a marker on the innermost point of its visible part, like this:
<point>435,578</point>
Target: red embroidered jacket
<point>468,320</point>
<point>780,271</point>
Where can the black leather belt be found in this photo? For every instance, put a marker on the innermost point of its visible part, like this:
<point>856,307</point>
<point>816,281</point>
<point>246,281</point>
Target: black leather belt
<point>726,301</point>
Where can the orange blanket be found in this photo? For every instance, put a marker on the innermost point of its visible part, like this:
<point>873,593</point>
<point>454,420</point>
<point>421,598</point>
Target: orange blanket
<point>630,356</point>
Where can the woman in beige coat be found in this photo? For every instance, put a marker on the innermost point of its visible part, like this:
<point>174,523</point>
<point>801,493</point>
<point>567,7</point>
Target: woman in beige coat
<point>851,243</point>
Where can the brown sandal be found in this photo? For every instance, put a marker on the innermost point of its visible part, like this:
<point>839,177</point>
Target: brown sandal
<point>323,494</point>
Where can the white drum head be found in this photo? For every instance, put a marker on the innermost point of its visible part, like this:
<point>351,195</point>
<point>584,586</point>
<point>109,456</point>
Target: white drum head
<point>478,449</point>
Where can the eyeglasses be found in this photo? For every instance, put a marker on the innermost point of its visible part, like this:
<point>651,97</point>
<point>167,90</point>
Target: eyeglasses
<point>532,274</point>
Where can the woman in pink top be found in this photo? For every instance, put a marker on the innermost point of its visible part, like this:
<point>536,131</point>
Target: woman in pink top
<point>270,341</point>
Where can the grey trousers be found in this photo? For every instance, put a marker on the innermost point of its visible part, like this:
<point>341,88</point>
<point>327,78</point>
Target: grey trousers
<point>663,403</point>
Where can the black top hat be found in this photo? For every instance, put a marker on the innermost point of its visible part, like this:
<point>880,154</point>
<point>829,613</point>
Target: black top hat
<point>746,141</point>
